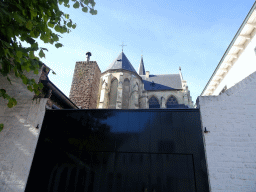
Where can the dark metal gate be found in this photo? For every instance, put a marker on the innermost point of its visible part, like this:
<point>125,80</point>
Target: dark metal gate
<point>120,150</point>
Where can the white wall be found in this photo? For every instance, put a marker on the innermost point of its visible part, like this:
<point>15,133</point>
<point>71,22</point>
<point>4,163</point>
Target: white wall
<point>19,137</point>
<point>243,66</point>
<point>231,143</point>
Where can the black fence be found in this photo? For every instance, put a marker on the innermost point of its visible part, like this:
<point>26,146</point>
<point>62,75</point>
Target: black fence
<point>120,150</point>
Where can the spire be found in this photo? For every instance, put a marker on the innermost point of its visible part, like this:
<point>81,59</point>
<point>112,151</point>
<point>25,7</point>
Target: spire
<point>141,70</point>
<point>121,62</point>
<point>180,74</point>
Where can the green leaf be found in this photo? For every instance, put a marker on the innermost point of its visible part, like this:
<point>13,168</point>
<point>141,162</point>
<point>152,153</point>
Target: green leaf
<point>69,24</point>
<point>10,32</point>
<point>7,44</point>
<point>25,81</point>
<point>29,25</point>
<point>67,16</point>
<point>76,5</point>
<point>37,92</point>
<point>31,55</point>
<point>35,86</point>
<point>30,88</point>
<point>1,127</point>
<point>2,92</point>
<point>9,80</point>
<point>41,54</point>
<point>19,54</point>
<point>57,45</point>
<point>66,1</point>
<point>27,68</point>
<point>33,13</point>
<point>51,25</point>
<point>53,73</point>
<point>85,9</point>
<point>18,18</point>
<point>36,72</point>
<point>57,28</point>
<point>40,85</point>
<point>92,3</point>
<point>74,26</point>
<point>12,102</point>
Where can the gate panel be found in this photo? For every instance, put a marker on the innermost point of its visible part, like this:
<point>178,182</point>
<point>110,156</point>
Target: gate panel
<point>119,150</point>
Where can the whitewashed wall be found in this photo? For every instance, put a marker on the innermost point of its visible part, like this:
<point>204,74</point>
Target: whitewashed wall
<point>231,143</point>
<point>243,66</point>
<point>19,137</point>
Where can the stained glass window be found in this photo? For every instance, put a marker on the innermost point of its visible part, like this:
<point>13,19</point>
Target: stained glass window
<point>171,101</point>
<point>153,103</point>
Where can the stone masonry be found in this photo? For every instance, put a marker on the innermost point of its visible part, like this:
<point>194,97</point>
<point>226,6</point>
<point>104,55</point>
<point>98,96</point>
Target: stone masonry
<point>85,85</point>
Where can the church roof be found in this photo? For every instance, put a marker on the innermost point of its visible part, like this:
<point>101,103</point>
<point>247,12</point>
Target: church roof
<point>121,62</point>
<point>141,70</point>
<point>162,82</point>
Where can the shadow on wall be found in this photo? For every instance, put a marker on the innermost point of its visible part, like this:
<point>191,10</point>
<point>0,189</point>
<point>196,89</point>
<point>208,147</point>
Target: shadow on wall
<point>18,141</point>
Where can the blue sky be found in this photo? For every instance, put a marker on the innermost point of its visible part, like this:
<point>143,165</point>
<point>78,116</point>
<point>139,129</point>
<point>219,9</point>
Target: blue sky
<point>187,33</point>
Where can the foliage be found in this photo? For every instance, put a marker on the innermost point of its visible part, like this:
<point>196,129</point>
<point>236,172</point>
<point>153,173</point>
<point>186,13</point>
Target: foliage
<point>27,20</point>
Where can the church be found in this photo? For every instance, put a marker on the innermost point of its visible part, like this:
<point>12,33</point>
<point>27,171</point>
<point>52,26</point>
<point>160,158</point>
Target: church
<point>120,86</point>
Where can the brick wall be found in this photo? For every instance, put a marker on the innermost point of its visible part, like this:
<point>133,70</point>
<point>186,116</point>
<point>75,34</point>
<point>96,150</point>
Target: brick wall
<point>19,137</point>
<point>231,143</point>
<point>85,84</point>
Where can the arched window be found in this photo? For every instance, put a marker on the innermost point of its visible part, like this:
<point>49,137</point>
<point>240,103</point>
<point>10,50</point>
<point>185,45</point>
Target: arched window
<point>171,101</point>
<point>113,94</point>
<point>126,93</point>
<point>153,103</point>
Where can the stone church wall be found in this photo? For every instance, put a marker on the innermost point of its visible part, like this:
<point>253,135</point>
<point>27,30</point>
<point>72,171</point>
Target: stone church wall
<point>19,136</point>
<point>231,143</point>
<point>162,97</point>
<point>85,84</point>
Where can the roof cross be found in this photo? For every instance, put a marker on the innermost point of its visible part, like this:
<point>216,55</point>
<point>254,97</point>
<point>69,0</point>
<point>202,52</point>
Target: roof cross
<point>122,46</point>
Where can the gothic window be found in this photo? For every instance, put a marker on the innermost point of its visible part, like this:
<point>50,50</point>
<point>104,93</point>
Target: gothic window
<point>126,93</point>
<point>153,103</point>
<point>171,101</point>
<point>113,94</point>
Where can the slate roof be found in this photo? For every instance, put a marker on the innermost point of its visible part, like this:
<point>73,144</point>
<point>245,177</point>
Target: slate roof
<point>121,62</point>
<point>162,82</point>
<point>141,70</point>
